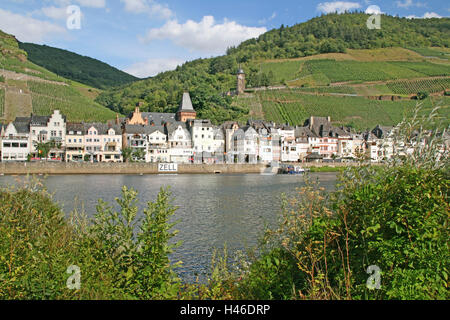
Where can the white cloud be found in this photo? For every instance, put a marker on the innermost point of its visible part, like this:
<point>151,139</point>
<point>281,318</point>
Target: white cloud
<point>205,36</point>
<point>265,20</point>
<point>150,7</point>
<point>427,15</point>
<point>409,3</point>
<point>337,6</point>
<point>54,12</point>
<point>27,29</point>
<point>83,3</point>
<point>152,67</point>
<point>92,3</point>
<point>373,9</point>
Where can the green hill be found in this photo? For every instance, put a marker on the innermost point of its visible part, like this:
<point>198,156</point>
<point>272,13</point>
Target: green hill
<point>27,88</point>
<point>335,50</point>
<point>75,67</point>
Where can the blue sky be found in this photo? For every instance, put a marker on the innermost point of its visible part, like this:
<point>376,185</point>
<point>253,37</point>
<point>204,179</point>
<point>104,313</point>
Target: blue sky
<point>144,37</point>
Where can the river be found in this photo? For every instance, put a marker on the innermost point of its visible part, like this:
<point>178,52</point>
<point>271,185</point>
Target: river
<point>214,210</point>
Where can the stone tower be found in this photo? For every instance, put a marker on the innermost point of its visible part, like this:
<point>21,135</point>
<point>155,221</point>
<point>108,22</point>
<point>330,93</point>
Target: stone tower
<point>186,110</point>
<point>240,81</point>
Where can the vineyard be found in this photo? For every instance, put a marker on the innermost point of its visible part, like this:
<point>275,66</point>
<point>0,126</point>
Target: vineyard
<point>47,97</point>
<point>333,89</point>
<point>432,52</point>
<point>425,68</point>
<point>283,70</point>
<point>344,71</point>
<point>2,102</point>
<point>412,87</point>
<point>293,107</point>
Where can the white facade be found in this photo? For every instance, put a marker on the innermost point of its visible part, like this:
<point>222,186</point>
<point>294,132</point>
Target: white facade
<point>180,145</point>
<point>15,145</point>
<point>158,148</point>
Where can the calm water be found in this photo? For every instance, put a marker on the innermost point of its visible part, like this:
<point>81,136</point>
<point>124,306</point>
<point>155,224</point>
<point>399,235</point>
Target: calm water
<point>213,209</point>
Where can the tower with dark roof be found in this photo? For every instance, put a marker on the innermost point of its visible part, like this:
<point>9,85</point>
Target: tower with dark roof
<point>186,110</point>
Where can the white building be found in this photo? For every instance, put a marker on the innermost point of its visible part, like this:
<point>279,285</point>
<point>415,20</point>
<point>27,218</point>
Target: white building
<point>16,142</point>
<point>44,129</point>
<point>158,146</point>
<point>202,134</point>
<point>180,143</point>
<point>75,142</point>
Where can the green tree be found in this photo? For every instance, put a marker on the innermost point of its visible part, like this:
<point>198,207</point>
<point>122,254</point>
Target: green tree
<point>126,154</point>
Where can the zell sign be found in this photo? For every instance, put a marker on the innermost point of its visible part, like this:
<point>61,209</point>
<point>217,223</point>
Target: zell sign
<point>168,167</point>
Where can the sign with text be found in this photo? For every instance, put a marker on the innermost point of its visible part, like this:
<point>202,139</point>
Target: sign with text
<point>167,167</point>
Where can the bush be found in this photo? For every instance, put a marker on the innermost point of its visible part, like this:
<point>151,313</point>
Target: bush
<point>117,259</point>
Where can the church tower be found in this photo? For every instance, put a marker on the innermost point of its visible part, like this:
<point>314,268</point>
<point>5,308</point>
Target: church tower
<point>186,110</point>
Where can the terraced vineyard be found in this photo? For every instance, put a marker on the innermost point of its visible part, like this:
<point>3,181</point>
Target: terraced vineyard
<point>47,97</point>
<point>283,70</point>
<point>293,107</point>
<point>427,85</point>
<point>327,89</point>
<point>425,68</point>
<point>432,52</point>
<point>2,102</point>
<point>343,71</point>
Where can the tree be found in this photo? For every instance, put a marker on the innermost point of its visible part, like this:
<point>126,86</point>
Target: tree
<point>126,154</point>
<point>44,148</point>
<point>422,95</point>
<point>139,155</point>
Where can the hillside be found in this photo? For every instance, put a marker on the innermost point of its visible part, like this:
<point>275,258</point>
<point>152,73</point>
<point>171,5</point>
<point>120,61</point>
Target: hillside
<point>330,54</point>
<point>75,67</point>
<point>26,88</point>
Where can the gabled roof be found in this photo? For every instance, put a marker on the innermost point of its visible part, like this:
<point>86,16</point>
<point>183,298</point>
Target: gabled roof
<point>72,126</point>
<point>153,129</point>
<point>158,119</point>
<point>22,127</point>
<point>39,121</point>
<point>173,126</point>
<point>302,132</point>
<point>102,128</point>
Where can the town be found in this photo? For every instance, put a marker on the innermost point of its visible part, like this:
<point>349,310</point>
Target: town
<point>182,138</point>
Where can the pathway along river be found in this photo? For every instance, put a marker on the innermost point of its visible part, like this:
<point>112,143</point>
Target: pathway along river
<point>214,210</point>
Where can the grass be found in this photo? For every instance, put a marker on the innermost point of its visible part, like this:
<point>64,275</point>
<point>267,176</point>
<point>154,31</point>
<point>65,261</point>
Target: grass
<point>432,52</point>
<point>327,169</point>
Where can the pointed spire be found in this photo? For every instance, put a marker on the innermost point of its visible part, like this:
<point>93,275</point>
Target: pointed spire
<point>186,103</point>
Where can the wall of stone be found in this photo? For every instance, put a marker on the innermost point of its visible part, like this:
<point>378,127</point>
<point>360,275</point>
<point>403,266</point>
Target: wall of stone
<point>54,168</point>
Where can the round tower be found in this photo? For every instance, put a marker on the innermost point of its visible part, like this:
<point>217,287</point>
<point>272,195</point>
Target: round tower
<point>240,81</point>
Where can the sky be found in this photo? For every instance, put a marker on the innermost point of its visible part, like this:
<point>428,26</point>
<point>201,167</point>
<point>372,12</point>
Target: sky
<point>145,37</point>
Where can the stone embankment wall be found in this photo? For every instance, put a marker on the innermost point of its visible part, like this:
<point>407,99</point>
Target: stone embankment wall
<point>54,168</point>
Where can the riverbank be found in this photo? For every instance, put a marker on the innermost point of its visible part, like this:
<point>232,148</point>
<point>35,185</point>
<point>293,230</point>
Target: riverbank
<point>58,168</point>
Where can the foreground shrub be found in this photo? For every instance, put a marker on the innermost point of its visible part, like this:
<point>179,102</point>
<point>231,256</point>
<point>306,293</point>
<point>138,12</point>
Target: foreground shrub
<point>120,255</point>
